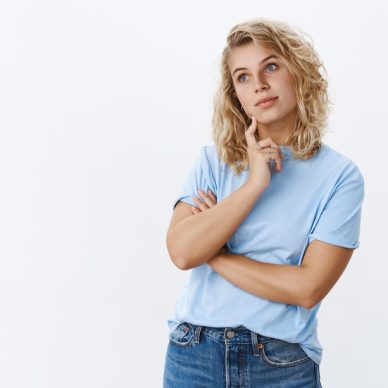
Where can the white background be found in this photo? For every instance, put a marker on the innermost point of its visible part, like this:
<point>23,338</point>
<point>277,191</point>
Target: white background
<point>103,108</point>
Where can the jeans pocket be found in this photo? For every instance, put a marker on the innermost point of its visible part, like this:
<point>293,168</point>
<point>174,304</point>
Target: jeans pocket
<point>281,353</point>
<point>183,335</point>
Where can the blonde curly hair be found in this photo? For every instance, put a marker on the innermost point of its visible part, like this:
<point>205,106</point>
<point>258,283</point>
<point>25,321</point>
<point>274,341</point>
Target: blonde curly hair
<point>229,122</point>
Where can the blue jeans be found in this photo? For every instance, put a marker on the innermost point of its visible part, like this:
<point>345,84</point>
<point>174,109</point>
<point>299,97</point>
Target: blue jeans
<point>210,357</point>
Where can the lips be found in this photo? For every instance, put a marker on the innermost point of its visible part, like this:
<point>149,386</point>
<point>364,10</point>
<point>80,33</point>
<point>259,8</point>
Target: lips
<point>266,99</point>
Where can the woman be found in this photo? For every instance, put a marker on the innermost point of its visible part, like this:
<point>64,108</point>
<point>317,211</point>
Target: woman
<point>267,220</point>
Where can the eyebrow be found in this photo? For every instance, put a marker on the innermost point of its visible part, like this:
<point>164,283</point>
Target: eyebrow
<point>265,59</point>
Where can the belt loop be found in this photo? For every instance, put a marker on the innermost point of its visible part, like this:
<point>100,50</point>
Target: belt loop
<point>197,333</point>
<point>255,344</point>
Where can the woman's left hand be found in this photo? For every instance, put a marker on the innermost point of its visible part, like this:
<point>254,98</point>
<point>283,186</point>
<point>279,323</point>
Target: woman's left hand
<point>209,200</point>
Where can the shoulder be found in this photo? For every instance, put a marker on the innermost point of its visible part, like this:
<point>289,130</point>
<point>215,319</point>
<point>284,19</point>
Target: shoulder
<point>208,153</point>
<point>209,150</point>
<point>339,163</point>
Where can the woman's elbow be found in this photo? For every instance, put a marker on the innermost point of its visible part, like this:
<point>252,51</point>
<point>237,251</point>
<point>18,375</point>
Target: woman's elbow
<point>176,257</point>
<point>181,264</point>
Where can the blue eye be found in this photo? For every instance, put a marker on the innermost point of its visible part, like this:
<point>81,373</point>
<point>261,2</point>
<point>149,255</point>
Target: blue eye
<point>239,78</point>
<point>272,64</point>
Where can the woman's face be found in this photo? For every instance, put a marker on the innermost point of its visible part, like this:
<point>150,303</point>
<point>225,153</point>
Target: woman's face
<point>257,74</point>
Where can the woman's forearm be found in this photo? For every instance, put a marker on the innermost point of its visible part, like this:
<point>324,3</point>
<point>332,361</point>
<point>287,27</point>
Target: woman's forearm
<point>276,282</point>
<point>196,239</point>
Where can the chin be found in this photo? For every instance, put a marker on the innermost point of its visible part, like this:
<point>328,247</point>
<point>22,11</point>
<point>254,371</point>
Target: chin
<point>267,120</point>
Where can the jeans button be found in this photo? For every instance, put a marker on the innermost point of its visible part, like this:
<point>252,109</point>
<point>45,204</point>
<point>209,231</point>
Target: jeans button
<point>230,334</point>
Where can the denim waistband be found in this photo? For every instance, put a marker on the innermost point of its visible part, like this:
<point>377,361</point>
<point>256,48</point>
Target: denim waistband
<point>230,335</point>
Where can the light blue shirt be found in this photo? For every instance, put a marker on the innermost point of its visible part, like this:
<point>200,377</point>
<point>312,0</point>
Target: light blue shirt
<point>319,198</point>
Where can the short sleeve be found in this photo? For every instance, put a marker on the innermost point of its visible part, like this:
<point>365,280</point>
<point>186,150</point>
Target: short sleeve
<point>339,222</point>
<point>200,177</point>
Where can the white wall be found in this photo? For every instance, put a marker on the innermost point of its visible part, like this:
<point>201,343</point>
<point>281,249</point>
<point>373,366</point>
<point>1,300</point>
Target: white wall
<point>104,105</point>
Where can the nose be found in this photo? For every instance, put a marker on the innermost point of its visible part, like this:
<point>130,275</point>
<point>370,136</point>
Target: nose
<point>260,84</point>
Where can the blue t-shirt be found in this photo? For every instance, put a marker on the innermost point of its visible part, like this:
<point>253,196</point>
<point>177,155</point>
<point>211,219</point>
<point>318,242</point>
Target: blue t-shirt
<point>319,198</point>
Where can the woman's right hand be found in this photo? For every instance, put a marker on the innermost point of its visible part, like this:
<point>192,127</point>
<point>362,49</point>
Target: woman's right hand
<point>260,155</point>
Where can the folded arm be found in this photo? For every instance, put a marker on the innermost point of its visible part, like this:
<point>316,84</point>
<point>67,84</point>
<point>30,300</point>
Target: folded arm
<point>304,285</point>
<point>194,239</point>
